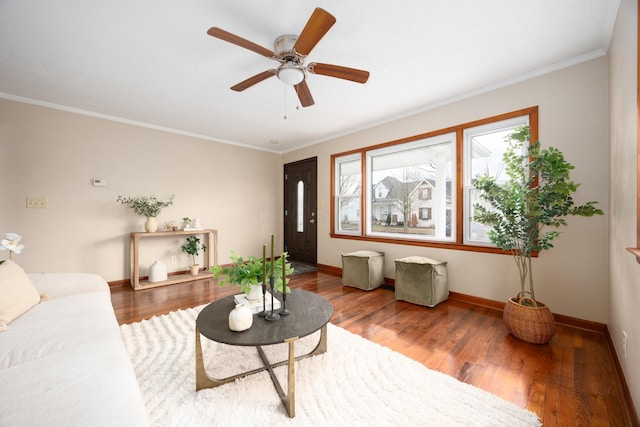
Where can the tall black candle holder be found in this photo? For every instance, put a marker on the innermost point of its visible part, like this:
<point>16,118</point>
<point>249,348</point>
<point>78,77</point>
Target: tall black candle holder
<point>284,311</point>
<point>272,316</point>
<point>263,313</point>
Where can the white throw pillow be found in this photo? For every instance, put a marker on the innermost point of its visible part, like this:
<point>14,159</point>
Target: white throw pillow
<point>17,293</point>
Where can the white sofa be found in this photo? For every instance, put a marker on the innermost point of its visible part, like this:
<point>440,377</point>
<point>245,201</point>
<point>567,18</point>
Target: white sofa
<point>63,362</point>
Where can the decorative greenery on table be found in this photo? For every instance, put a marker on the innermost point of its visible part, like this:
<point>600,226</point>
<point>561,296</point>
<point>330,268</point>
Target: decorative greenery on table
<point>538,195</point>
<point>147,206</point>
<point>245,273</point>
<point>193,247</point>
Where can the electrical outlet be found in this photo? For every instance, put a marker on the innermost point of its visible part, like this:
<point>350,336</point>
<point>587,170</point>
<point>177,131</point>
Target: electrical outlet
<point>624,343</point>
<point>174,260</point>
<point>37,203</point>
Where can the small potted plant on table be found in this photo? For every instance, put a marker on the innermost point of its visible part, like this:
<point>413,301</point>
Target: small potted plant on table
<point>193,247</point>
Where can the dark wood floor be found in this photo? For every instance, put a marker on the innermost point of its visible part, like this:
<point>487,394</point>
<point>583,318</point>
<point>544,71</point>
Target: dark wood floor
<point>570,382</point>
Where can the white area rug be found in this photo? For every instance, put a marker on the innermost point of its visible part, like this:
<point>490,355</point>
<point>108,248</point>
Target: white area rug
<point>355,383</point>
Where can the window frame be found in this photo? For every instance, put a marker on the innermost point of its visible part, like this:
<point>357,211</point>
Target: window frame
<point>335,213</point>
<point>458,204</point>
<point>636,250</point>
<point>468,134</point>
<point>417,143</point>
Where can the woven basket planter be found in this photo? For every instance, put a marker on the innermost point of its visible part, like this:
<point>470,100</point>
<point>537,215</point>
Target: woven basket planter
<point>533,324</point>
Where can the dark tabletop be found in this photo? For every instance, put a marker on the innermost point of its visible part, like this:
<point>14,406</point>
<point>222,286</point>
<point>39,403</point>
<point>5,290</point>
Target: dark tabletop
<point>309,313</point>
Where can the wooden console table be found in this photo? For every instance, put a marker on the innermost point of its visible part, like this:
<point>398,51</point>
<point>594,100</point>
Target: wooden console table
<point>212,247</point>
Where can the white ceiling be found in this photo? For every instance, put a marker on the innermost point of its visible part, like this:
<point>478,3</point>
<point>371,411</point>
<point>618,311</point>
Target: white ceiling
<point>151,62</point>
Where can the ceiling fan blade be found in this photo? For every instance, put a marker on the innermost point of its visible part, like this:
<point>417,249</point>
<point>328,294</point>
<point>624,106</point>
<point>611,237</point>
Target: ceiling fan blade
<point>253,80</point>
<point>304,94</point>
<point>358,76</point>
<point>316,27</point>
<point>239,41</point>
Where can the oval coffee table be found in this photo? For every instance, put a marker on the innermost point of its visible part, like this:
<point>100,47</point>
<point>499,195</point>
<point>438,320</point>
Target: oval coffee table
<point>309,313</point>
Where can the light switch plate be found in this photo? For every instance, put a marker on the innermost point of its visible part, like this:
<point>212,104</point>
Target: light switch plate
<point>37,203</point>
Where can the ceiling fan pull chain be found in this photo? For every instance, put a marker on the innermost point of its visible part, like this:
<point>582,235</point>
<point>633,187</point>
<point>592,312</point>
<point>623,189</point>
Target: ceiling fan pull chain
<point>285,102</point>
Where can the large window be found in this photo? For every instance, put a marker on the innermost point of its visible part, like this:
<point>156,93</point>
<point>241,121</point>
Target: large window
<point>399,175</point>
<point>419,190</point>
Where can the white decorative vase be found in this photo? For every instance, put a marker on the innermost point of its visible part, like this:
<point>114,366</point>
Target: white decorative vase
<point>157,272</point>
<point>151,225</point>
<point>194,269</point>
<point>240,318</point>
<point>256,292</point>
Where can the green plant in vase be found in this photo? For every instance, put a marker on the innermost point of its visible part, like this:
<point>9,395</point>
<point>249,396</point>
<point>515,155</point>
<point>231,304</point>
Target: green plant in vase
<point>148,207</point>
<point>193,247</point>
<point>249,272</point>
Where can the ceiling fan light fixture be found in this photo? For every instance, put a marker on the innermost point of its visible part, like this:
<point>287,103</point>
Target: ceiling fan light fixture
<point>290,73</point>
<point>291,52</point>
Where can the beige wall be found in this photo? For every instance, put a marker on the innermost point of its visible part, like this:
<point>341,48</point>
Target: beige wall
<point>573,277</point>
<point>624,277</point>
<point>54,154</point>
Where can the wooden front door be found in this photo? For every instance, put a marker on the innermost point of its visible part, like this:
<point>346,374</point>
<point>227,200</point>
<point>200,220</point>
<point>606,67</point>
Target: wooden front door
<point>300,215</point>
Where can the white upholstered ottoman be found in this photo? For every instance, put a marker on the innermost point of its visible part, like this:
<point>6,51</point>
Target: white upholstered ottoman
<point>363,269</point>
<point>421,280</point>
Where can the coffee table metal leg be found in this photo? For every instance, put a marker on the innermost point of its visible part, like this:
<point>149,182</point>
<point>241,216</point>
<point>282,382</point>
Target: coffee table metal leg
<point>289,398</point>
<point>322,344</point>
<point>290,402</point>
<point>203,380</point>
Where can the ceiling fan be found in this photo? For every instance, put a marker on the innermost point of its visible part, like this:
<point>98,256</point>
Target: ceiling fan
<point>291,51</point>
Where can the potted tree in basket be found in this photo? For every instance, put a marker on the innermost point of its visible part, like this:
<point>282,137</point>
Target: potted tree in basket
<point>147,206</point>
<point>537,196</point>
<point>193,247</point>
